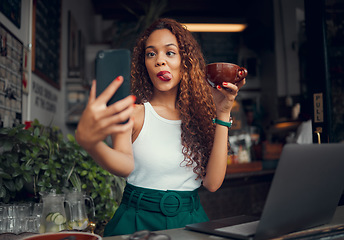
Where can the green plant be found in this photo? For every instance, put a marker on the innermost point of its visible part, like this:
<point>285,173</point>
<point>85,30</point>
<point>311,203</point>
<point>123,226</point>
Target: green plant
<point>126,32</point>
<point>41,158</point>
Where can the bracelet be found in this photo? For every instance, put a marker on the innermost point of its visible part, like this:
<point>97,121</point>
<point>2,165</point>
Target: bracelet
<point>226,124</point>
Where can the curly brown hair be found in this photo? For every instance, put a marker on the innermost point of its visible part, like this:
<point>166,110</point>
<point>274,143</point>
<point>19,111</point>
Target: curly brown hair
<point>194,99</point>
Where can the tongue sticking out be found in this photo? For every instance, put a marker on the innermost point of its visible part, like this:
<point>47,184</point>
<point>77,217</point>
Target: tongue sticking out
<point>167,76</point>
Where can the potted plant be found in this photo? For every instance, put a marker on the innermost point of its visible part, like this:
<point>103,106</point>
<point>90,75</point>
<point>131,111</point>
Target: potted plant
<point>40,157</point>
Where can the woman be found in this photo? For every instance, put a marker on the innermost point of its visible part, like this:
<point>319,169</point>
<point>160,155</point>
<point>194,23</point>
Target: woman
<point>170,146</point>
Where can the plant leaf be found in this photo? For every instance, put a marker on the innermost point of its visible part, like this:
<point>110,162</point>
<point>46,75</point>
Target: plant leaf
<point>10,185</point>
<point>75,180</point>
<point>83,153</point>
<point>7,147</point>
<point>18,184</point>
<point>5,175</point>
<point>36,132</point>
<point>2,191</point>
<point>27,177</point>
<point>40,184</point>
<point>45,167</point>
<point>70,138</point>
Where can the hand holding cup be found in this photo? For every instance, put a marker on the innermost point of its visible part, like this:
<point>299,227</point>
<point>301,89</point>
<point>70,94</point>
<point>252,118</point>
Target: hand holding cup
<point>217,73</point>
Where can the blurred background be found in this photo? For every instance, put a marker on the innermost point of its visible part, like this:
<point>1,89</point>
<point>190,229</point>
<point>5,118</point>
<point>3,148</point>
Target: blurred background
<point>293,51</point>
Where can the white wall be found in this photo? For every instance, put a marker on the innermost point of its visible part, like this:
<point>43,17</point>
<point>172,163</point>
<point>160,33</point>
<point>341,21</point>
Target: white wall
<point>32,102</point>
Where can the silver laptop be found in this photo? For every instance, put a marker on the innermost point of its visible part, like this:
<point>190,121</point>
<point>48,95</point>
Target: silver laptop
<point>305,191</point>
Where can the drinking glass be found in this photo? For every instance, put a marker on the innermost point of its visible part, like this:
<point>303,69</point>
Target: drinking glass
<point>23,211</point>
<point>12,225</point>
<point>3,222</point>
<point>32,224</point>
<point>37,209</point>
<point>11,210</point>
<point>3,211</point>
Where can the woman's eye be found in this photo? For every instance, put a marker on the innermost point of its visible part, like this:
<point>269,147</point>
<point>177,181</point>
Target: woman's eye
<point>150,54</point>
<point>170,53</point>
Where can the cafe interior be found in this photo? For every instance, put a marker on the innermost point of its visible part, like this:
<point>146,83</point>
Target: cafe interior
<point>293,51</point>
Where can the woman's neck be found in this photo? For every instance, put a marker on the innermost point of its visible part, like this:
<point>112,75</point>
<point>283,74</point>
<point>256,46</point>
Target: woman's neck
<point>165,106</point>
<point>166,99</point>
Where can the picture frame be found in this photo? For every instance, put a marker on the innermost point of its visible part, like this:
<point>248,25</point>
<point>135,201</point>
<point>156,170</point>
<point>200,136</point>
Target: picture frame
<point>74,48</point>
<point>46,41</point>
<point>12,10</point>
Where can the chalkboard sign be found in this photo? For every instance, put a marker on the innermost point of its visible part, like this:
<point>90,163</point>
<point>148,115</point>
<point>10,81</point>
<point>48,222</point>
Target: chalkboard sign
<point>12,10</point>
<point>46,40</point>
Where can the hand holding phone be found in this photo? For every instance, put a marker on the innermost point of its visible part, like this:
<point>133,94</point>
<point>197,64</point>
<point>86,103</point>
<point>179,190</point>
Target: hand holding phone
<point>99,121</point>
<point>109,65</point>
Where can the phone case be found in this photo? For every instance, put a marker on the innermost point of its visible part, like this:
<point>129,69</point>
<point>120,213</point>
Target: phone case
<point>110,64</point>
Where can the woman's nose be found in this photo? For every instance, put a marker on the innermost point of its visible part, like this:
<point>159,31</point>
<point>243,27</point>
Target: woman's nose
<point>160,62</point>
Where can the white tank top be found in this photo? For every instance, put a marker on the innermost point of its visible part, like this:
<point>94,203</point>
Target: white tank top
<point>158,156</point>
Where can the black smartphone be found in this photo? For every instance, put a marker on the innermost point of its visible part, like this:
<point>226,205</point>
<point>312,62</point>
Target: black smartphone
<point>110,64</point>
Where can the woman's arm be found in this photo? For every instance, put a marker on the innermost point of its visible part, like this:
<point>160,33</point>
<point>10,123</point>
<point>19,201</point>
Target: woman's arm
<point>99,121</point>
<point>224,98</point>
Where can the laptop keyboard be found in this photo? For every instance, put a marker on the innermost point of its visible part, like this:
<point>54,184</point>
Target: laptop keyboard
<point>245,229</point>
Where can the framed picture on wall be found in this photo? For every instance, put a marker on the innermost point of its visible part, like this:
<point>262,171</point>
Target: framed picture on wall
<point>46,38</point>
<point>12,10</point>
<point>74,48</point>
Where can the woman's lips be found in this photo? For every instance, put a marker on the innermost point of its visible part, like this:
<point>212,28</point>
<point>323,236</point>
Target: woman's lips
<point>164,75</point>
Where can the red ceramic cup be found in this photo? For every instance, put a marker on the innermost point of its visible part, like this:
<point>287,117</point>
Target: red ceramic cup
<point>217,73</point>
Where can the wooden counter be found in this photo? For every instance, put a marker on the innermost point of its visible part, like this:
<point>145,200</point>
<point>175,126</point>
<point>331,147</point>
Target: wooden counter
<point>240,193</point>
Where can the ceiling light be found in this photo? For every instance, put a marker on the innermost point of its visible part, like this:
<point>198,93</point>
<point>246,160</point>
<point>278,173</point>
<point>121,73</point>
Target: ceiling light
<point>214,27</point>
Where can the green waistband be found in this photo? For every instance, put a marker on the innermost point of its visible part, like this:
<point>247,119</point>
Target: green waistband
<point>169,202</point>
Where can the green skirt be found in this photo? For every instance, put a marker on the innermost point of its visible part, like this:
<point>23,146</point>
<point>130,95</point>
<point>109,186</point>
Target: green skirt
<point>149,209</point>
